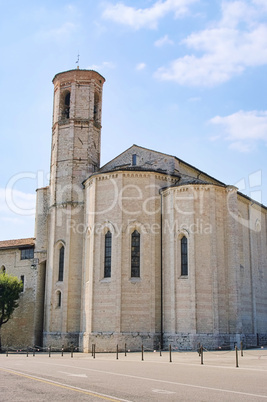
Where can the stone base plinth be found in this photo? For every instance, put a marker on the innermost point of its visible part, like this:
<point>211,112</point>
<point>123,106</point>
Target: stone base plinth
<point>107,342</point>
<point>183,341</point>
<point>58,340</point>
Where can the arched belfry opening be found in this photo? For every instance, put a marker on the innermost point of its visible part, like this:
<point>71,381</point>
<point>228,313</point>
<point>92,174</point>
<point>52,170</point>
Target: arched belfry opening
<point>96,108</point>
<point>65,105</point>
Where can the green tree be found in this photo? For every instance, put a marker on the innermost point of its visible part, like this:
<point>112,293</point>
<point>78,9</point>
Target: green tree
<point>10,289</point>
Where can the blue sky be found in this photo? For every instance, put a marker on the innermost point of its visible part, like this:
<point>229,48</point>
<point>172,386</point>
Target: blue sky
<point>184,77</point>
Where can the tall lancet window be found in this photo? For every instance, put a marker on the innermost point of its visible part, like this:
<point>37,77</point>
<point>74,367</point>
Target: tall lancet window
<point>96,108</point>
<point>61,264</point>
<point>135,254</point>
<point>67,106</point>
<point>107,263</point>
<point>184,256</point>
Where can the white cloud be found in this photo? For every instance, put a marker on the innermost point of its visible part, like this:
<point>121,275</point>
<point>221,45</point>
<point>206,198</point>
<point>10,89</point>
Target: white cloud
<point>242,147</point>
<point>16,202</point>
<point>146,17</point>
<point>102,66</point>
<point>261,3</point>
<point>194,99</point>
<point>165,40</point>
<point>57,34</point>
<point>227,49</point>
<point>140,66</point>
<point>236,11</point>
<point>243,129</point>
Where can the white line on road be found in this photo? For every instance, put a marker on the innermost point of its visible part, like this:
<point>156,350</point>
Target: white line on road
<point>73,375</point>
<point>167,382</point>
<point>163,391</point>
<point>66,386</point>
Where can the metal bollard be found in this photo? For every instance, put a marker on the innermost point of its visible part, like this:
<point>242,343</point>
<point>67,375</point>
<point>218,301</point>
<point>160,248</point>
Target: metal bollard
<point>62,350</point>
<point>160,349</point>
<point>241,347</point>
<point>201,354</point>
<point>142,352</point>
<point>170,351</point>
<point>27,351</point>
<point>117,352</point>
<point>71,350</point>
<point>125,350</point>
<point>49,351</point>
<point>236,356</point>
<point>94,351</point>
<point>7,351</point>
<point>33,352</point>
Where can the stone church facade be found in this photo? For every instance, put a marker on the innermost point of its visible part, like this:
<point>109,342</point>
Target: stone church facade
<point>142,250</point>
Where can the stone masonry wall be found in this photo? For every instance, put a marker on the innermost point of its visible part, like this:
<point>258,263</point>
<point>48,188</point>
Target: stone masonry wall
<point>21,330</point>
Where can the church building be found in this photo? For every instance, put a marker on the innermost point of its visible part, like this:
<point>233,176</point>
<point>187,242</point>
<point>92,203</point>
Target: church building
<point>146,249</point>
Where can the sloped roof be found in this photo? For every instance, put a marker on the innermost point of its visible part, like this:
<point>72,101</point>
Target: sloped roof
<point>190,180</point>
<point>17,243</point>
<point>174,165</point>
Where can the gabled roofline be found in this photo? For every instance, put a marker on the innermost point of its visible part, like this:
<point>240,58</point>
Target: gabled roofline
<point>126,150</point>
<point>171,156</point>
<point>217,182</point>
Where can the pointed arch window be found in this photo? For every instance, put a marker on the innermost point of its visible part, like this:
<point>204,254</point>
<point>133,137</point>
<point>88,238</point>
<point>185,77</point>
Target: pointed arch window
<point>135,254</point>
<point>107,263</point>
<point>61,263</point>
<point>184,256</point>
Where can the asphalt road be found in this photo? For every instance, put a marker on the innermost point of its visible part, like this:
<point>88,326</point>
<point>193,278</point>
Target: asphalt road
<point>83,378</point>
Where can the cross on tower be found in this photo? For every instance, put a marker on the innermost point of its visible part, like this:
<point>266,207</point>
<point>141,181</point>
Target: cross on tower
<point>78,58</point>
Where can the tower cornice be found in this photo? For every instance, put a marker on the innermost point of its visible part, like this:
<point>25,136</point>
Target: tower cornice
<point>77,74</point>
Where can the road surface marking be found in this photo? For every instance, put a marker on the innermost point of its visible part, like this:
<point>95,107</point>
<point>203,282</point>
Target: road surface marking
<point>163,391</point>
<point>73,375</point>
<point>65,386</point>
<point>166,382</point>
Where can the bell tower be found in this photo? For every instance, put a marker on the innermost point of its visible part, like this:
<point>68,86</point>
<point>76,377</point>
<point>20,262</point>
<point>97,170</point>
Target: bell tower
<point>75,155</point>
<point>76,129</point>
